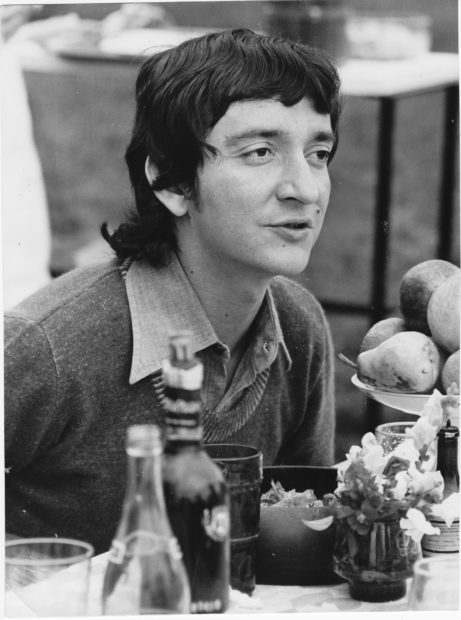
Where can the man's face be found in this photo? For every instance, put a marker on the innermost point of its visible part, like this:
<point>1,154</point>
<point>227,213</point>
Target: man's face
<point>262,199</point>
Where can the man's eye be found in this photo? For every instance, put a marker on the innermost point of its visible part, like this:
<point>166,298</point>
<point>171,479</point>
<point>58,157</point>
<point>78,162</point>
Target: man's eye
<point>320,156</point>
<point>260,154</point>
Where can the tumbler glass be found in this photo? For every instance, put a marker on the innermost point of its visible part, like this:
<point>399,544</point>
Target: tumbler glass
<point>242,469</point>
<point>390,435</point>
<point>435,585</point>
<point>47,576</point>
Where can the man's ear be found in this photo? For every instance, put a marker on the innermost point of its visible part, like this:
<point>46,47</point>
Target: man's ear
<point>173,198</point>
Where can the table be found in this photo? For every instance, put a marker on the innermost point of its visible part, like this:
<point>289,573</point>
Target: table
<point>265,599</point>
<point>388,82</point>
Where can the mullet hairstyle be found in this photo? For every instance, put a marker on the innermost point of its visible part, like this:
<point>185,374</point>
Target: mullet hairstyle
<point>181,93</point>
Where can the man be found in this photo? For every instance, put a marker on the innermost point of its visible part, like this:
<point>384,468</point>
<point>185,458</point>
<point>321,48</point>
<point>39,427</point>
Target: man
<point>229,164</point>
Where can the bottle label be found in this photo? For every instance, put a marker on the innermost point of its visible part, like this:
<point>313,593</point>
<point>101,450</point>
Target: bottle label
<point>177,433</point>
<point>185,378</point>
<point>142,542</point>
<point>198,607</point>
<point>445,542</point>
<point>182,406</point>
<point>216,522</point>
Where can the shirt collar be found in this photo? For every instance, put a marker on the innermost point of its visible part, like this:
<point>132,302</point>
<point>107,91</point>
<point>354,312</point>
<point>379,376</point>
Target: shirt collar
<point>162,301</point>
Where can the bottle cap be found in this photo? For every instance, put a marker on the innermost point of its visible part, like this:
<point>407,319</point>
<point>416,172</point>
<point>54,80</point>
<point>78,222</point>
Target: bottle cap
<point>448,431</point>
<point>181,347</point>
<point>182,370</point>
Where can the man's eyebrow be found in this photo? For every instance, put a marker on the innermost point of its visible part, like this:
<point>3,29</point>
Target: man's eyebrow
<point>251,134</point>
<point>324,136</point>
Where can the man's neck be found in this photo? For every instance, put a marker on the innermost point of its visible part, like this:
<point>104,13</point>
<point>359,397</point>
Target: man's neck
<point>231,301</point>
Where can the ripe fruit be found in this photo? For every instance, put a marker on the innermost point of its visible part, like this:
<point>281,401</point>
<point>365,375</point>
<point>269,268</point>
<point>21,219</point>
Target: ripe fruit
<point>450,371</point>
<point>443,314</point>
<point>416,288</point>
<point>408,362</point>
<point>381,331</point>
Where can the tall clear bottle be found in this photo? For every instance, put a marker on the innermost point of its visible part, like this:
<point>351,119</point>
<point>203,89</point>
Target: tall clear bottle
<point>195,491</point>
<point>447,463</point>
<point>145,572</point>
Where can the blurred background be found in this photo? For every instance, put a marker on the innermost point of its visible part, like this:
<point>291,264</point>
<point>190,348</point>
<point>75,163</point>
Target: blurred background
<point>81,121</point>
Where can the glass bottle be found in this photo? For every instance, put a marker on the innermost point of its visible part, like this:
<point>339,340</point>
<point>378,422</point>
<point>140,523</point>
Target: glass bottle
<point>447,463</point>
<point>145,573</point>
<point>196,494</point>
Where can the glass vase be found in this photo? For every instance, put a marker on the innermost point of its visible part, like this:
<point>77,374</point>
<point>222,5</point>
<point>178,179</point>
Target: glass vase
<point>375,561</point>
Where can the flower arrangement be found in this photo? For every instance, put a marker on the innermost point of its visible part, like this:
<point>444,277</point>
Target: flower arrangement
<point>373,486</point>
<point>383,504</point>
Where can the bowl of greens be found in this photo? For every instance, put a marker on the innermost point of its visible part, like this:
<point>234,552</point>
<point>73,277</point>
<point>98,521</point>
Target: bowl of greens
<point>289,552</point>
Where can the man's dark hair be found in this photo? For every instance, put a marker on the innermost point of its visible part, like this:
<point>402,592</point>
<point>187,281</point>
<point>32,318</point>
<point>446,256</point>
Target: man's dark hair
<point>181,93</point>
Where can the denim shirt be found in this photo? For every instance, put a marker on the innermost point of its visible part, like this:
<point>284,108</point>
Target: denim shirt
<point>154,317</point>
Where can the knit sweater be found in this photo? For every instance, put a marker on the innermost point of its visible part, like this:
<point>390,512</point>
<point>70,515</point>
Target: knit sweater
<point>68,402</point>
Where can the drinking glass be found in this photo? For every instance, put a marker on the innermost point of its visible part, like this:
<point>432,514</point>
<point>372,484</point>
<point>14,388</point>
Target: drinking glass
<point>47,576</point>
<point>435,584</point>
<point>242,469</point>
<point>390,435</point>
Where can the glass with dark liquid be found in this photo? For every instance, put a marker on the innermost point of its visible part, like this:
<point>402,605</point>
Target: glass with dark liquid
<point>242,470</point>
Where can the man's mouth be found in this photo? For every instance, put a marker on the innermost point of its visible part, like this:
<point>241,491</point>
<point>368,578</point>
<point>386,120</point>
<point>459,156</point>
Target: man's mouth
<point>295,225</point>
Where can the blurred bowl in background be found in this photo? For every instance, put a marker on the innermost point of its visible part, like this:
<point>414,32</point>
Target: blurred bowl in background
<point>378,35</point>
<point>408,403</point>
<point>288,552</point>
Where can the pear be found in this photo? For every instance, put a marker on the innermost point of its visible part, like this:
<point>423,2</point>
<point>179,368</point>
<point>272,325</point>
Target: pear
<point>450,371</point>
<point>416,288</point>
<point>407,362</point>
<point>443,314</point>
<point>381,331</point>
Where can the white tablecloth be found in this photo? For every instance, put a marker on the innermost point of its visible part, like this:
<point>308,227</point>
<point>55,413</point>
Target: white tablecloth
<point>265,599</point>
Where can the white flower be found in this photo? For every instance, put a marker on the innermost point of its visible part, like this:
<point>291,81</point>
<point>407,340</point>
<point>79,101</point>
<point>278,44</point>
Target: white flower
<point>374,460</point>
<point>406,450</point>
<point>448,510</point>
<point>416,525</point>
<point>369,440</point>
<point>354,453</point>
<point>432,410</point>
<point>423,433</point>
<point>373,454</point>
<point>399,491</point>
<point>342,467</point>
<point>426,482</point>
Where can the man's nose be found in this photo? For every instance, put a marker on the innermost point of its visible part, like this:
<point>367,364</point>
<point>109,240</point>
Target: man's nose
<point>298,182</point>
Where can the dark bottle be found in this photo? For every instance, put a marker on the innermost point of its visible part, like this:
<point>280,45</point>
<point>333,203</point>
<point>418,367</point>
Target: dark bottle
<point>145,573</point>
<point>447,463</point>
<point>195,492</point>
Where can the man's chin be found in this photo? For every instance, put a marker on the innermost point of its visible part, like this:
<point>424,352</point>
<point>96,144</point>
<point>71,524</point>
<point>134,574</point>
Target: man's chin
<point>291,267</point>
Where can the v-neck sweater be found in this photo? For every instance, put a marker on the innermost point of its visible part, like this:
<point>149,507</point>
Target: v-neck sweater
<point>69,402</point>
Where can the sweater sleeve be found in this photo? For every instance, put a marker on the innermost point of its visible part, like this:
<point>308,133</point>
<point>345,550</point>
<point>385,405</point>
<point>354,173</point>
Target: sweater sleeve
<point>32,423</point>
<point>313,441</point>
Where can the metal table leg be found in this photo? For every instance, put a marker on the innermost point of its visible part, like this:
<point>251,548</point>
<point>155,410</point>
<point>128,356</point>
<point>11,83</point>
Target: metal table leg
<point>447,175</point>
<point>383,201</point>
